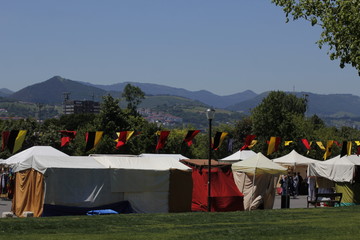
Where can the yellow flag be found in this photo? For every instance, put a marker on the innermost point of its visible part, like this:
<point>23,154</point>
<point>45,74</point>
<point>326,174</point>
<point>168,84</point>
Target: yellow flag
<point>19,140</point>
<point>328,149</point>
<point>252,144</point>
<point>321,146</point>
<point>273,145</point>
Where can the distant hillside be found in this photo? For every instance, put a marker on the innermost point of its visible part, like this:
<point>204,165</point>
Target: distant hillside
<point>163,101</point>
<point>334,106</point>
<point>4,92</point>
<point>52,91</point>
<point>202,96</point>
<point>190,111</point>
<point>331,105</point>
<point>247,105</point>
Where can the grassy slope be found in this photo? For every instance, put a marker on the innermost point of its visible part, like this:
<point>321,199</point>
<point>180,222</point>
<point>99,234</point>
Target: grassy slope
<point>320,223</point>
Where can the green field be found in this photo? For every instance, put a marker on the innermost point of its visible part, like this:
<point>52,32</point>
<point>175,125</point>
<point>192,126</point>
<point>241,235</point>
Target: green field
<point>319,223</point>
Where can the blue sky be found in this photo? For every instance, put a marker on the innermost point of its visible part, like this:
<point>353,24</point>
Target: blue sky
<point>223,46</point>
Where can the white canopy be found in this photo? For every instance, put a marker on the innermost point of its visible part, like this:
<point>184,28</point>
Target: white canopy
<point>338,169</point>
<point>258,164</point>
<point>157,155</point>
<point>239,155</point>
<point>294,159</point>
<point>41,163</point>
<point>36,150</point>
<point>142,163</point>
<point>148,182</point>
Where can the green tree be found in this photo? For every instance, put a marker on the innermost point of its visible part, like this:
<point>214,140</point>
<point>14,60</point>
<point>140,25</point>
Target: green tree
<point>111,118</point>
<point>242,128</point>
<point>274,117</point>
<point>133,96</point>
<point>340,21</point>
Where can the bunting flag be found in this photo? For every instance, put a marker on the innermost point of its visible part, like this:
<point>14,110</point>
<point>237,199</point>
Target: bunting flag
<point>15,140</point>
<point>304,145</point>
<point>357,147</point>
<point>287,143</point>
<point>218,139</point>
<point>92,139</point>
<point>67,136</point>
<point>346,148</point>
<point>248,141</point>
<point>123,137</point>
<point>273,145</point>
<point>337,143</point>
<point>190,136</point>
<point>320,145</point>
<point>4,139</point>
<point>163,135</point>
<point>328,149</point>
<point>252,144</point>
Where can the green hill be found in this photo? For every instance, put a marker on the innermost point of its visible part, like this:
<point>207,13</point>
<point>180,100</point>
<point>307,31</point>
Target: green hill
<point>52,91</point>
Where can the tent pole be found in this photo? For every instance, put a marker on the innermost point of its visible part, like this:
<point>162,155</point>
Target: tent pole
<point>252,192</point>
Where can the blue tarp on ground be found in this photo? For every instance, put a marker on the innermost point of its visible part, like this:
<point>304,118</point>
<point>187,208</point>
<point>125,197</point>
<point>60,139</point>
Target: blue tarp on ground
<point>57,210</point>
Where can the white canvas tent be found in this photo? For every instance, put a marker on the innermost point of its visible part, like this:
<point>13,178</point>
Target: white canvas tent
<point>149,184</point>
<point>297,162</point>
<point>337,169</point>
<point>255,177</point>
<point>294,159</point>
<point>344,172</point>
<point>157,155</point>
<point>238,156</point>
<point>145,181</point>
<point>35,150</point>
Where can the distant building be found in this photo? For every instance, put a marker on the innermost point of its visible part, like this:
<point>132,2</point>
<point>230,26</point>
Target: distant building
<point>76,107</point>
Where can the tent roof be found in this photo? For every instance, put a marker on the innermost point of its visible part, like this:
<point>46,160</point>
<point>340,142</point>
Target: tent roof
<point>36,150</point>
<point>338,169</point>
<point>203,162</point>
<point>41,163</point>
<point>258,164</point>
<point>157,155</point>
<point>293,159</point>
<point>142,163</point>
<point>239,155</point>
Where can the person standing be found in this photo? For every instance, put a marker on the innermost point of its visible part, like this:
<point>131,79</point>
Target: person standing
<point>301,180</point>
<point>311,180</point>
<point>296,185</point>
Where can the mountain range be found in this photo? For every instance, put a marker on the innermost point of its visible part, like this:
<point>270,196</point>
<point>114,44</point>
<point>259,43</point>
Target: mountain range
<point>52,91</point>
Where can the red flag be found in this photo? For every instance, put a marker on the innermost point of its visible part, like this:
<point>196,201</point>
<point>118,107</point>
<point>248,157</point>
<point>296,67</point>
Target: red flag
<point>124,136</point>
<point>305,143</point>
<point>248,140</point>
<point>163,135</point>
<point>190,136</point>
<point>5,138</point>
<point>67,136</point>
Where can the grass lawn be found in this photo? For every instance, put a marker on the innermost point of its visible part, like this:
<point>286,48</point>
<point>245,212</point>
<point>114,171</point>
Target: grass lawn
<point>313,223</point>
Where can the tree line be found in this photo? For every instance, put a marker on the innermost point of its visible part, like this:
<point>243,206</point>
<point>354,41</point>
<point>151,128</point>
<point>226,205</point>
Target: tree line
<point>279,115</point>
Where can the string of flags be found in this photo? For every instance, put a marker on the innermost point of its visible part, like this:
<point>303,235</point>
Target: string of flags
<point>13,140</point>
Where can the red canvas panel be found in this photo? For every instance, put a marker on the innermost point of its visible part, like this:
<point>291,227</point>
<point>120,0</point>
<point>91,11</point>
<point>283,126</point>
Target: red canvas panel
<point>225,196</point>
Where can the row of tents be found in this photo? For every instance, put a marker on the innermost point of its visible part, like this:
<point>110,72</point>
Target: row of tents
<point>51,183</point>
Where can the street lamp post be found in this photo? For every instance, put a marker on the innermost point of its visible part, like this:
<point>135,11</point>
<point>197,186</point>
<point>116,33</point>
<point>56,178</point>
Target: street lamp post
<point>210,113</point>
<point>158,124</point>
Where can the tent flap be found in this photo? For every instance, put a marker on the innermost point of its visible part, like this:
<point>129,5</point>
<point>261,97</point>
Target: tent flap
<point>29,193</point>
